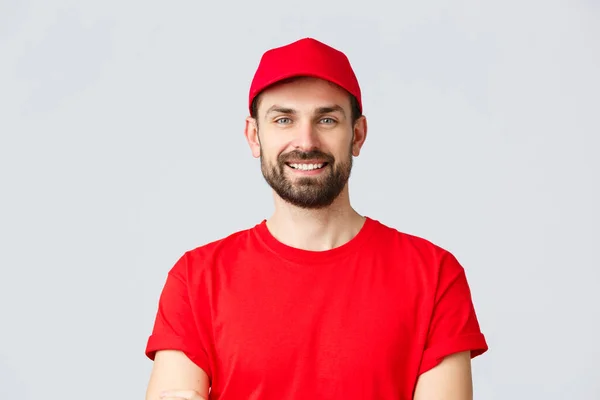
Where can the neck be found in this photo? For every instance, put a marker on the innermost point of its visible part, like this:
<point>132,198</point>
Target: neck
<point>316,230</point>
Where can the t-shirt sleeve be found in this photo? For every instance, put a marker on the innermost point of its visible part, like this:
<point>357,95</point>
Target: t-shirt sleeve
<point>453,326</point>
<point>175,325</point>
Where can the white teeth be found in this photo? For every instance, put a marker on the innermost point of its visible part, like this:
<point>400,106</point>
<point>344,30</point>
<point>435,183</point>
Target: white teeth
<point>306,167</point>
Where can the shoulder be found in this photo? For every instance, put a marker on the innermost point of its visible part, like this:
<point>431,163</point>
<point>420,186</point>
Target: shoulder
<point>423,262</point>
<point>406,244</point>
<point>201,259</point>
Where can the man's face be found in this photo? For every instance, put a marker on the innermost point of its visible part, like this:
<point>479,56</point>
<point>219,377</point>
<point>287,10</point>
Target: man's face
<point>306,141</point>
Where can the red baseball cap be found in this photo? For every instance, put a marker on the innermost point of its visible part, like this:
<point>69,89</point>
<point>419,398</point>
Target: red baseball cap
<point>305,57</point>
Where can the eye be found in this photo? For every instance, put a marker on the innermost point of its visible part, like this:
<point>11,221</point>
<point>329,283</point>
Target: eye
<point>283,121</point>
<point>328,121</point>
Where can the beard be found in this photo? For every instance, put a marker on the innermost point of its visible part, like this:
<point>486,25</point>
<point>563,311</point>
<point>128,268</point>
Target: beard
<point>307,192</point>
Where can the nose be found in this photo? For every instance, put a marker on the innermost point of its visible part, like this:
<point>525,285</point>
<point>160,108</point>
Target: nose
<point>306,137</point>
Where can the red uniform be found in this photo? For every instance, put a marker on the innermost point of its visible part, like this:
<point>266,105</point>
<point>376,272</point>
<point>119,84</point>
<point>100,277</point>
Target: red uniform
<point>361,321</point>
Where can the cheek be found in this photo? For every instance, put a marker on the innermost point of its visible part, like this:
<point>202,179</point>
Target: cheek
<point>270,142</point>
<point>271,153</point>
<point>338,143</point>
<point>342,152</point>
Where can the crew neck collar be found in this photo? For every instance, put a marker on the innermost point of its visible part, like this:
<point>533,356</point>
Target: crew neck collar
<point>302,256</point>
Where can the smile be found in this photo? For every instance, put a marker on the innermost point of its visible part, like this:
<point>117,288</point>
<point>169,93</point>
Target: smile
<point>307,167</point>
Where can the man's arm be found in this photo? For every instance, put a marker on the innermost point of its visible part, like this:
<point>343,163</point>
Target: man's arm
<point>449,380</point>
<point>173,370</point>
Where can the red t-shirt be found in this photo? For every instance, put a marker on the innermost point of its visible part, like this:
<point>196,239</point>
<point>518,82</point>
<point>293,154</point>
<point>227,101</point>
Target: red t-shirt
<point>361,321</point>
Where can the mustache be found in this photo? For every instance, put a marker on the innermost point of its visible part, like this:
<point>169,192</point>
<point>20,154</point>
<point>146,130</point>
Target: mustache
<point>306,155</point>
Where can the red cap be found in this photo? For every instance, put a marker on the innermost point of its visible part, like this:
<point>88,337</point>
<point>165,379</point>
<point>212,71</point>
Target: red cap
<point>305,57</point>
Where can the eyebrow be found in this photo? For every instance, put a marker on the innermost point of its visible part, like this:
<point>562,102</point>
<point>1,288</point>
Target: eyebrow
<point>318,111</point>
<point>280,109</point>
<point>331,109</point>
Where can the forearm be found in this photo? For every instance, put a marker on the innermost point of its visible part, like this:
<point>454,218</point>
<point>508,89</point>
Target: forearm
<point>450,380</point>
<point>173,371</point>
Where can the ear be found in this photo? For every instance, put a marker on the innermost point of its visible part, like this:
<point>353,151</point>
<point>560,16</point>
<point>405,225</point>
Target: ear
<point>360,135</point>
<point>251,132</point>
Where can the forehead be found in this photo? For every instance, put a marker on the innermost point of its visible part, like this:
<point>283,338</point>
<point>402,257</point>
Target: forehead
<point>304,93</point>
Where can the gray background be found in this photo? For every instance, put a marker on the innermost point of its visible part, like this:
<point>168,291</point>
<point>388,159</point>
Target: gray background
<point>122,147</point>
